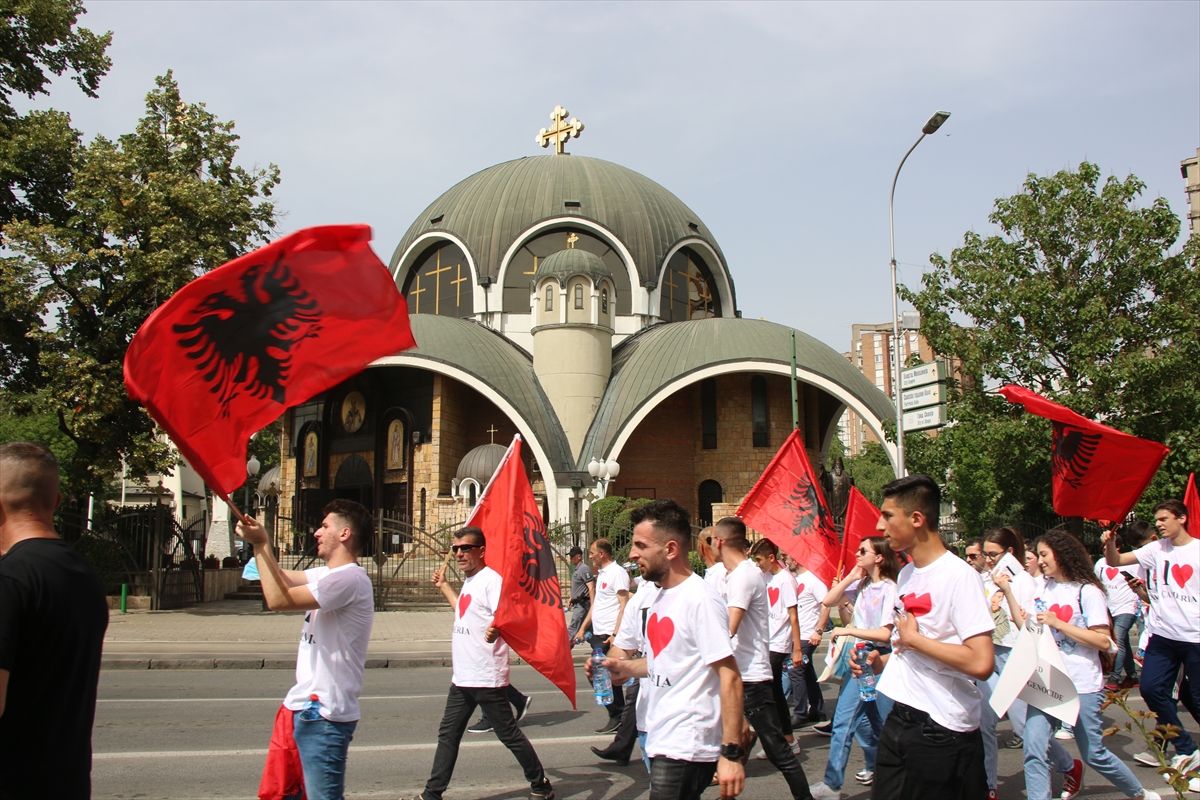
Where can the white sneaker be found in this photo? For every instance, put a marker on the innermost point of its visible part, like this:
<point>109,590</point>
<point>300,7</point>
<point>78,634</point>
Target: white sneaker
<point>795,747</point>
<point>1186,763</point>
<point>761,755</point>
<point>822,792</point>
<point>865,776</point>
<point>1146,759</point>
<point>1064,734</point>
<point>1149,795</point>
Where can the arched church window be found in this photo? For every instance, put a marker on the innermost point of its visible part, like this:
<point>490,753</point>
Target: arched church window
<point>709,493</point>
<point>579,295</point>
<point>759,410</point>
<point>708,413</point>
<point>604,301</point>
<point>440,283</point>
<point>549,298</point>
<point>688,290</point>
<point>523,266</point>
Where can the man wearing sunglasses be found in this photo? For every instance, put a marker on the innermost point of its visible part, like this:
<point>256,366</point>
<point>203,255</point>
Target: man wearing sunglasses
<point>480,670</point>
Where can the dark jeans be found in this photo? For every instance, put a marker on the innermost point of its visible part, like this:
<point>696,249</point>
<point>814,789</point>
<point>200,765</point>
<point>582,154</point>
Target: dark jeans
<point>514,697</point>
<point>920,760</point>
<point>618,704</point>
<point>758,704</point>
<point>806,691</point>
<point>1160,668</point>
<point>626,738</point>
<point>1121,625</point>
<point>679,780</point>
<point>781,703</point>
<point>460,704</point>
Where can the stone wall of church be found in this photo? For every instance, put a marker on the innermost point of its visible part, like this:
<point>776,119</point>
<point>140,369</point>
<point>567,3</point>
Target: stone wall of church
<point>657,460</point>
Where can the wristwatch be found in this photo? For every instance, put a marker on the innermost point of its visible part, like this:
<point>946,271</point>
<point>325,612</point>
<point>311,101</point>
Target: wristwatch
<point>732,751</point>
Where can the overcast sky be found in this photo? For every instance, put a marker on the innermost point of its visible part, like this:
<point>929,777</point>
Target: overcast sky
<point>780,124</point>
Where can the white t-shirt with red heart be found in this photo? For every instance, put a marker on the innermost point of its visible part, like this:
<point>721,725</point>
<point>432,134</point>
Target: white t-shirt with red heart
<point>948,599</point>
<point>781,595</point>
<point>477,663</point>
<point>1121,599</point>
<point>609,581</point>
<point>1177,573</point>
<point>687,630</point>
<point>810,591</point>
<point>1084,607</point>
<point>744,589</point>
<point>633,634</point>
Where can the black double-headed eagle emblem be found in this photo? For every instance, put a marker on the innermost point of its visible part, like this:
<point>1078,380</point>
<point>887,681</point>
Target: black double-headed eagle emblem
<point>539,576</point>
<point>1072,453</point>
<point>809,513</point>
<point>246,343</point>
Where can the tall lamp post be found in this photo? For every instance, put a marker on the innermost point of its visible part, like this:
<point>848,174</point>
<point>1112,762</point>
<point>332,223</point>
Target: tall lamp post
<point>252,468</point>
<point>931,126</point>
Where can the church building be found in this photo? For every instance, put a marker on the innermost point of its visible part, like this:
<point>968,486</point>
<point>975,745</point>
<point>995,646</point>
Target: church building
<point>586,307</point>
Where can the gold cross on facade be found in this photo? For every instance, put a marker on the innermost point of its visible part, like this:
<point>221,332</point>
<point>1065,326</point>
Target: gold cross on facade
<point>457,288</point>
<point>571,240</point>
<point>437,282</point>
<point>560,131</point>
<point>534,270</point>
<point>492,430</point>
<point>415,294</point>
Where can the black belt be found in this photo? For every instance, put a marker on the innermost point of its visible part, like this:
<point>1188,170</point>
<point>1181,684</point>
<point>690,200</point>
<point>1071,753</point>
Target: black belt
<point>915,716</point>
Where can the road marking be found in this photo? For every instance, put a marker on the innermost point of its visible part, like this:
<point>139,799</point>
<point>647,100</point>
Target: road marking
<point>144,755</point>
<point>275,699</point>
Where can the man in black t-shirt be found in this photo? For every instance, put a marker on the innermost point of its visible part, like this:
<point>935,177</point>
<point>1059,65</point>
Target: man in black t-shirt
<point>53,614</point>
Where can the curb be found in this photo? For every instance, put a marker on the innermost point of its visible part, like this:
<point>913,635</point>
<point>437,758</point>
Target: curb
<point>115,664</point>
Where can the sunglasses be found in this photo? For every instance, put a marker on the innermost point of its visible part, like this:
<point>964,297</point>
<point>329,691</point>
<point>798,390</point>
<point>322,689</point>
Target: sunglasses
<point>973,556</point>
<point>865,552</point>
<point>464,548</point>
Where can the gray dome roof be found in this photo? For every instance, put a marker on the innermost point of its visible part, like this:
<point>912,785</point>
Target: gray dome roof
<point>565,263</point>
<point>489,210</point>
<point>481,463</point>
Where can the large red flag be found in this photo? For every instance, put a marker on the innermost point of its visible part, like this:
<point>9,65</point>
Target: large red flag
<point>529,615</point>
<point>786,506</point>
<point>1191,499</point>
<point>861,516</point>
<point>230,351</point>
<point>1098,472</point>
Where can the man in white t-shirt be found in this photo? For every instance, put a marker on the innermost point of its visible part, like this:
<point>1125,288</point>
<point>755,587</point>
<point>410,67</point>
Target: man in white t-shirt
<point>692,687</point>
<point>1174,562</point>
<point>749,625</point>
<point>480,670</point>
<point>333,642</point>
<point>633,628</point>
<point>930,745</point>
<point>1123,608</point>
<point>611,594</point>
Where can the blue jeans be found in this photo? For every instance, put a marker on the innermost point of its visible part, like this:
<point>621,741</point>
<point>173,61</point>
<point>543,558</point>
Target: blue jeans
<point>1159,671</point>
<point>1122,623</point>
<point>323,745</point>
<point>854,719</point>
<point>988,719</point>
<point>642,748</point>
<point>1039,750</point>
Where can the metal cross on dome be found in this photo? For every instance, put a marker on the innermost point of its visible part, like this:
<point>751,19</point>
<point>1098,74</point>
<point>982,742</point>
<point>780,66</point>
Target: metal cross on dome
<point>560,131</point>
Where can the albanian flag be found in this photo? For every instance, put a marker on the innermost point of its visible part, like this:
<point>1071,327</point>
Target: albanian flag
<point>1191,499</point>
<point>529,615</point>
<point>229,352</point>
<point>786,506</point>
<point>861,516</point>
<point>1098,472</point>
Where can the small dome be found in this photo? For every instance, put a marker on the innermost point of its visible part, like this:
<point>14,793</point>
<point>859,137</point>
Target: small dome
<point>565,263</point>
<point>481,463</point>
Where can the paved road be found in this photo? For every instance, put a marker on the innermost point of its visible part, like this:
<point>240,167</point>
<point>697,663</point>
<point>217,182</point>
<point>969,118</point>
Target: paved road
<point>202,734</point>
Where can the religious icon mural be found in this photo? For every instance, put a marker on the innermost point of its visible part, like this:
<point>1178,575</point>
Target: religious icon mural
<point>395,445</point>
<point>310,455</point>
<point>353,410</point>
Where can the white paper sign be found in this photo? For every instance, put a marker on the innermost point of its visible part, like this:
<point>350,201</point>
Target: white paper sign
<point>1035,673</point>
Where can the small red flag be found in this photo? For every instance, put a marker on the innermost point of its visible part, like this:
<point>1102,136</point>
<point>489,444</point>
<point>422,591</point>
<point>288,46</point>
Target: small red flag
<point>229,352</point>
<point>1191,499</point>
<point>861,516</point>
<point>1098,472</point>
<point>529,615</point>
<point>786,505</point>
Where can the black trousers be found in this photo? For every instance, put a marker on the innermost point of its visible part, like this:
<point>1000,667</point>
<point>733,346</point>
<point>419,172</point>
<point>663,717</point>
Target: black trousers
<point>513,696</point>
<point>919,759</point>
<point>460,704</point>
<point>781,703</point>
<point>806,691</point>
<point>671,779</point>
<point>618,704</point>
<point>758,704</point>
<point>626,738</point>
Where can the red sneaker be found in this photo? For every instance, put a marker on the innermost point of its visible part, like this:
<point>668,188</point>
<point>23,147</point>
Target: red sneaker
<point>1072,780</point>
<point>992,795</point>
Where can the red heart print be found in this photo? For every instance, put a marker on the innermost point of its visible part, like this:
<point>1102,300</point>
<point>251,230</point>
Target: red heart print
<point>1065,613</point>
<point>660,631</point>
<point>773,593</point>
<point>1111,572</point>
<point>918,604</point>
<point>800,590</point>
<point>1182,573</point>
<point>604,586</point>
<point>464,602</point>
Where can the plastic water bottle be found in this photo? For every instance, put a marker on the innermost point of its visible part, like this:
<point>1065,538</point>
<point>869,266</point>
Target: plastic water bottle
<point>601,680</point>
<point>866,681</point>
<point>1040,607</point>
<point>312,710</point>
<point>804,659</point>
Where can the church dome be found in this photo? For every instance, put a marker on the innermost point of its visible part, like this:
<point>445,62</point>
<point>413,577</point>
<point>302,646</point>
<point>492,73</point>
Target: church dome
<point>491,209</point>
<point>481,463</point>
<point>565,263</point>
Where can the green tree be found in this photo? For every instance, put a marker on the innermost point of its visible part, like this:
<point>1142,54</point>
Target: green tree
<point>149,212</point>
<point>1081,297</point>
<point>871,469</point>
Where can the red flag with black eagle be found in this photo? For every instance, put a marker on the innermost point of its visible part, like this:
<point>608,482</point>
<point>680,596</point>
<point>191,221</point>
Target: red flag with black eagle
<point>229,352</point>
<point>861,517</point>
<point>1097,472</point>
<point>786,505</point>
<point>529,615</point>
<point>1191,500</point>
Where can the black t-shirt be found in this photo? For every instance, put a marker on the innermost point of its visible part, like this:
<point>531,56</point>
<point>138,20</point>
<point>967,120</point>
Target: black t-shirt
<point>53,615</point>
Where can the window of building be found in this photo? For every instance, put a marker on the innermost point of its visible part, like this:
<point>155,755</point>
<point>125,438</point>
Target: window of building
<point>688,290</point>
<point>604,301</point>
<point>579,295</point>
<point>759,411</point>
<point>879,358</point>
<point>708,413</point>
<point>549,298</point>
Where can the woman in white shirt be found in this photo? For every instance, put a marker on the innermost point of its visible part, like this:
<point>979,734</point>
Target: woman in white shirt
<point>1074,607</point>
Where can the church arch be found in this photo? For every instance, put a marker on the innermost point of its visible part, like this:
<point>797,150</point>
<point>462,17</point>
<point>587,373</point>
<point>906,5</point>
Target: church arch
<point>354,481</point>
<point>715,265</point>
<point>434,284</point>
<point>708,493</point>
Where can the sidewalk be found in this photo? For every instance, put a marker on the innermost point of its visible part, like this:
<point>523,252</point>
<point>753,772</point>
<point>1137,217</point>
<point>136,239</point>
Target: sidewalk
<point>238,634</point>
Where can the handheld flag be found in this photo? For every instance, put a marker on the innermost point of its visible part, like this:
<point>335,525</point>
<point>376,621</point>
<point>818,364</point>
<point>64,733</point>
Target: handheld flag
<point>861,516</point>
<point>229,352</point>
<point>529,615</point>
<point>1191,499</point>
<point>1098,472</point>
<point>786,505</point>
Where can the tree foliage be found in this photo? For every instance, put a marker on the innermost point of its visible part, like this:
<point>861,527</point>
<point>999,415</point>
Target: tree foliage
<point>1081,297</point>
<point>149,212</point>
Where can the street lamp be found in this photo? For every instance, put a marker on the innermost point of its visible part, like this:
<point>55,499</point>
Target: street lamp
<point>931,126</point>
<point>252,468</point>
<point>605,472</point>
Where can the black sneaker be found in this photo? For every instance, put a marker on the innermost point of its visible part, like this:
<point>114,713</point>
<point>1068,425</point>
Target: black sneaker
<point>482,726</point>
<point>823,730</point>
<point>610,727</point>
<point>543,792</point>
<point>523,708</point>
<point>1015,743</point>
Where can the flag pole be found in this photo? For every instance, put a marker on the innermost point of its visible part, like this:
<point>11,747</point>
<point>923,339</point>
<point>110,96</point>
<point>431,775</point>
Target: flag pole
<point>795,408</point>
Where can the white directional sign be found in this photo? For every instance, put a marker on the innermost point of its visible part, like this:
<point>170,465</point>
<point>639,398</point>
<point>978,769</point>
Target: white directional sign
<point>924,418</point>
<point>920,375</point>
<point>922,396</point>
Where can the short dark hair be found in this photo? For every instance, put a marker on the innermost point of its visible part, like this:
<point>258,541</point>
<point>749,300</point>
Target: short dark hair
<point>357,518</point>
<point>472,532</point>
<point>732,531</point>
<point>1175,507</point>
<point>575,551</point>
<point>1139,533</point>
<point>976,542</point>
<point>29,477</point>
<point>668,518</point>
<point>917,492</point>
<point>764,547</point>
<point>604,546</point>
